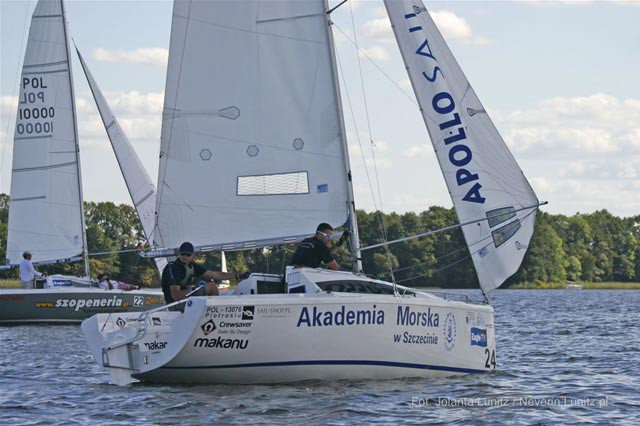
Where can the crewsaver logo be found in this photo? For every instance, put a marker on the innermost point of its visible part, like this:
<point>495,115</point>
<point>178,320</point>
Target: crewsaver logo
<point>208,327</point>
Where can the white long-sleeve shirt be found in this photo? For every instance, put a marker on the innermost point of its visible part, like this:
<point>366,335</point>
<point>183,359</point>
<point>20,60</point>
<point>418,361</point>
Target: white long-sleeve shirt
<point>27,271</point>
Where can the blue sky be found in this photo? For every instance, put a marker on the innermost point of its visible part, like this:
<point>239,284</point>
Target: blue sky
<point>559,79</point>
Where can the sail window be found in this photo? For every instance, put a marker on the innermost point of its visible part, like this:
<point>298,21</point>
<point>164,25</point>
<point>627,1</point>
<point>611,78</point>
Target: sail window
<point>497,216</point>
<point>276,184</point>
<point>501,235</point>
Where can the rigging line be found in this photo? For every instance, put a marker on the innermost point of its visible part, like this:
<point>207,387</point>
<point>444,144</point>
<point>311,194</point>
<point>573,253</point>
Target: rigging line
<point>427,262</point>
<point>13,90</point>
<point>355,125</point>
<point>408,96</point>
<point>437,270</point>
<point>372,144</point>
<point>527,216</point>
<point>459,225</point>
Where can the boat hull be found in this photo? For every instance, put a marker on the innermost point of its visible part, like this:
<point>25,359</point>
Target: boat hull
<point>298,337</point>
<point>71,304</point>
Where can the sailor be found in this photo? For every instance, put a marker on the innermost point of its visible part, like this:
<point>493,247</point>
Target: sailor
<point>27,271</point>
<point>312,251</point>
<point>108,284</point>
<point>179,276</point>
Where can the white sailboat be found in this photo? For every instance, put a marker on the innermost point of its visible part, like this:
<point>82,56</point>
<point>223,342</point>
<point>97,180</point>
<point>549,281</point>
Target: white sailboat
<point>262,137</point>
<point>46,208</point>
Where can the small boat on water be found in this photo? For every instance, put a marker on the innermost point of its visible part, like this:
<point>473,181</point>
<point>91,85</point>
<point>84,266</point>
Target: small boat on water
<point>252,103</point>
<point>46,215</point>
<point>573,286</point>
<point>71,304</point>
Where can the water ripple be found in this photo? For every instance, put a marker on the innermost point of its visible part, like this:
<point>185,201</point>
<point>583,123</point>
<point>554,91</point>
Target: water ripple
<point>563,357</point>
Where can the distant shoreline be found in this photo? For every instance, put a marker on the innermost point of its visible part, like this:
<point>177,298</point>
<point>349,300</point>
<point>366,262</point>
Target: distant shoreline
<point>608,285</point>
<point>6,284</point>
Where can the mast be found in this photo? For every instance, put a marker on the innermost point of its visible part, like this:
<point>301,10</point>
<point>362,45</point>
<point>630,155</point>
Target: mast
<point>351,206</point>
<point>85,253</point>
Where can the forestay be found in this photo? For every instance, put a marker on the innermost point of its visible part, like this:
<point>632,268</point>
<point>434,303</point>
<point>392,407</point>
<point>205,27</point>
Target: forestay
<point>45,208</point>
<point>141,189</point>
<point>483,178</point>
<point>252,148</point>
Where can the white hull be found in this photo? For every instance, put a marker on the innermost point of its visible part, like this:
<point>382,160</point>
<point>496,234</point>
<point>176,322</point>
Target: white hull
<point>280,338</point>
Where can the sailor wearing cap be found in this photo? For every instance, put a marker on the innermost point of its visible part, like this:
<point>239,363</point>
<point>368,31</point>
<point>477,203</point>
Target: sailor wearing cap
<point>179,276</point>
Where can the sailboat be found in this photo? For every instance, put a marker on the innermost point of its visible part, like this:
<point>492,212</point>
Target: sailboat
<point>46,208</point>
<point>253,153</point>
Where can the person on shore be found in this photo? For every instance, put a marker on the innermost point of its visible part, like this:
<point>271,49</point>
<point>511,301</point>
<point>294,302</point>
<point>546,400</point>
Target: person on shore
<point>27,271</point>
<point>179,277</point>
<point>313,251</point>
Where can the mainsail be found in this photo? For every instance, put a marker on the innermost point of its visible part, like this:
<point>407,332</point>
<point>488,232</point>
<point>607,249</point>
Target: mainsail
<point>45,207</point>
<point>252,145</point>
<point>141,189</point>
<point>484,180</point>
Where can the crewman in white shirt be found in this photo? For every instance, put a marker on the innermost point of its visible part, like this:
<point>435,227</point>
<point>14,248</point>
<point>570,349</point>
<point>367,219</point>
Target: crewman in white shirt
<point>27,271</point>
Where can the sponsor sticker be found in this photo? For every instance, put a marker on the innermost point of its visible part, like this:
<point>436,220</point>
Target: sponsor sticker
<point>247,312</point>
<point>273,311</point>
<point>155,346</point>
<point>220,343</point>
<point>478,337</point>
<point>208,327</point>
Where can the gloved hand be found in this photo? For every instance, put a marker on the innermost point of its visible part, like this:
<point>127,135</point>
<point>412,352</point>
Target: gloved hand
<point>242,275</point>
<point>343,238</point>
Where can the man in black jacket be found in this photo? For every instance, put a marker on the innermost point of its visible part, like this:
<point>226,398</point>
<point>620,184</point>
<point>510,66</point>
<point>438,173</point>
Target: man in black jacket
<point>312,251</point>
<point>179,277</point>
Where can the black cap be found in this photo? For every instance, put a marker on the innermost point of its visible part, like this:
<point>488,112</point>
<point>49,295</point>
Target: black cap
<point>186,247</point>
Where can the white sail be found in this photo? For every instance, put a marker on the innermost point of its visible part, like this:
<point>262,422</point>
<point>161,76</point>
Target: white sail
<point>252,145</point>
<point>483,178</point>
<point>141,189</point>
<point>45,208</point>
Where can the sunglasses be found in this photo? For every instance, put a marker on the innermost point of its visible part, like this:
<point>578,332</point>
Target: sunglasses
<point>327,236</point>
<point>186,254</point>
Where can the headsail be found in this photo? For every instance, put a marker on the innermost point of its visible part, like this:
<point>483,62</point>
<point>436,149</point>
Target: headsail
<point>252,147</point>
<point>483,178</point>
<point>45,208</point>
<point>141,189</point>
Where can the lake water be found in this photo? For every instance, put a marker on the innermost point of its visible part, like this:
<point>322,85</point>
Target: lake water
<point>564,356</point>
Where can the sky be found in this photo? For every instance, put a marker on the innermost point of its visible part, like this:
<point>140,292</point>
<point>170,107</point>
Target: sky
<point>559,79</point>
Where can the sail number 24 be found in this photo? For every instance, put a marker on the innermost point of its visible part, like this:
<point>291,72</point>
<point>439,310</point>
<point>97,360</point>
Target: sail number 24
<point>490,361</point>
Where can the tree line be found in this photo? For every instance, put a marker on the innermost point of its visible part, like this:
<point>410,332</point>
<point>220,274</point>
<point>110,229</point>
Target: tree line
<point>584,247</point>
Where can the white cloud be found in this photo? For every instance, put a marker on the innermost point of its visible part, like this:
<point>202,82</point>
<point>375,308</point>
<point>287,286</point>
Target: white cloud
<point>155,56</point>
<point>568,127</point>
<point>422,150</point>
<point>452,27</point>
<point>376,53</point>
<point>378,29</point>
<point>139,114</point>
<point>569,196</point>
